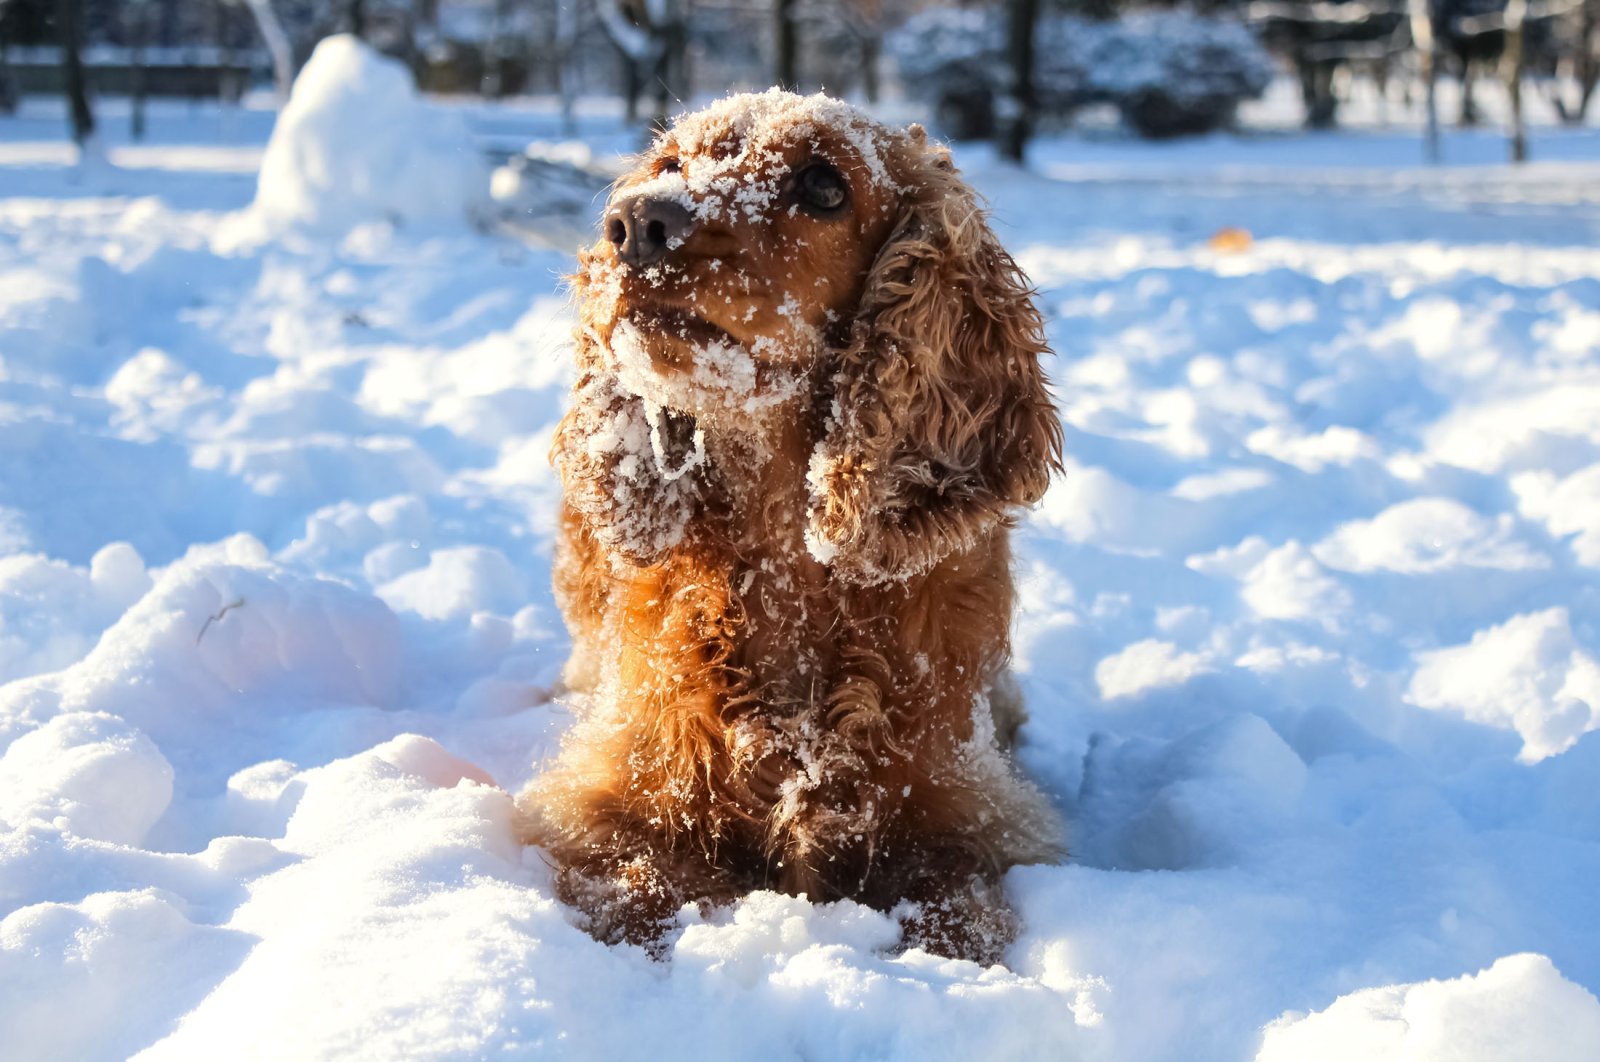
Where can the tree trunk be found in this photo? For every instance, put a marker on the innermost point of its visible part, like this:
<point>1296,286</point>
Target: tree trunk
<point>492,85</point>
<point>1469,117</point>
<point>871,52</point>
<point>1427,53</point>
<point>230,87</point>
<point>632,85</point>
<point>139,19</point>
<point>1316,90</point>
<point>278,46</point>
<point>567,65</point>
<point>637,42</point>
<point>1512,64</point>
<point>1017,104</point>
<point>1584,67</point>
<point>785,46</point>
<point>70,14</point>
<point>8,89</point>
<point>671,34</point>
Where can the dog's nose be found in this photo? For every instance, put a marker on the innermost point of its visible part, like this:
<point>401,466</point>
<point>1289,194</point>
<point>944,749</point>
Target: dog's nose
<point>643,229</point>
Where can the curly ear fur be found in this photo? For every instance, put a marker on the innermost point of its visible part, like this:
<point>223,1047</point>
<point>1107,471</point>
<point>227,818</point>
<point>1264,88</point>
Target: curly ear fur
<point>940,422</point>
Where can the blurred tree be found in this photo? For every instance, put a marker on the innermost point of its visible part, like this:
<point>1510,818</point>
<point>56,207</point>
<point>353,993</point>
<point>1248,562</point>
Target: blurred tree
<point>842,41</point>
<point>652,37</point>
<point>137,26</point>
<point>1471,39</point>
<point>785,45</point>
<point>1320,38</point>
<point>276,40</point>
<point>1513,67</point>
<point>1421,27</point>
<point>567,28</point>
<point>8,89</point>
<point>69,26</point>
<point>497,77</point>
<point>1570,65</point>
<point>1016,104</point>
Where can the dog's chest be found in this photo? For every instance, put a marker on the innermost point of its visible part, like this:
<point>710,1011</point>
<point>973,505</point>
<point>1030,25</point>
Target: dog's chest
<point>790,625</point>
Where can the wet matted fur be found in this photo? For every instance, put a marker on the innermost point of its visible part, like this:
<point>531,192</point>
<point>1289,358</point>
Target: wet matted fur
<point>805,417</point>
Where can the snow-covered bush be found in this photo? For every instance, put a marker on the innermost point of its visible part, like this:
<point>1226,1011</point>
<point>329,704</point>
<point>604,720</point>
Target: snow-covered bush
<point>1168,74</point>
<point>949,57</point>
<point>1063,62</point>
<point>356,144</point>
<point>1172,74</point>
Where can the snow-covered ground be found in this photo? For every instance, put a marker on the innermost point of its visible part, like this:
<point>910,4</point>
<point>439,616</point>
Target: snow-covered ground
<point>1310,631</point>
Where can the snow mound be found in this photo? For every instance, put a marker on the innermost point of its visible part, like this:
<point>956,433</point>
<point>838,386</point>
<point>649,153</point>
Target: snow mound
<point>1427,535</point>
<point>1197,801</point>
<point>1521,1007</point>
<point>356,144</point>
<point>101,978</point>
<point>222,640</point>
<point>51,612</point>
<point>1147,664</point>
<point>1528,674</point>
<point>1569,506</point>
<point>1282,583</point>
<point>458,582</point>
<point>89,772</point>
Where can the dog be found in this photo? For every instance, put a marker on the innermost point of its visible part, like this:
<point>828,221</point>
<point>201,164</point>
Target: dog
<point>809,405</point>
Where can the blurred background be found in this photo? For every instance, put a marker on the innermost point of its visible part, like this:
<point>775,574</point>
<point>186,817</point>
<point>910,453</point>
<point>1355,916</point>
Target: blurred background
<point>1005,70</point>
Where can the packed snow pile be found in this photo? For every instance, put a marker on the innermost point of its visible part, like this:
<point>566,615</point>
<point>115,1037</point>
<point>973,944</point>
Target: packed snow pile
<point>1309,632</point>
<point>356,143</point>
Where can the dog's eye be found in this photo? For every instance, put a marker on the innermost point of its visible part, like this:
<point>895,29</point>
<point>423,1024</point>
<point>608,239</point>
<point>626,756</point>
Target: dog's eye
<point>821,187</point>
<point>668,165</point>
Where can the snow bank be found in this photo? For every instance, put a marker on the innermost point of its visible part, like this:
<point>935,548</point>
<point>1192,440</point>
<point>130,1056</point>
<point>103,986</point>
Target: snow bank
<point>1521,1007</point>
<point>356,144</point>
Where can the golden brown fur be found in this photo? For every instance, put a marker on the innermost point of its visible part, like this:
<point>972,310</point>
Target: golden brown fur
<point>786,572</point>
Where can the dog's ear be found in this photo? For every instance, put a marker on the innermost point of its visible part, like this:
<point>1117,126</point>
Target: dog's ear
<point>940,423</point>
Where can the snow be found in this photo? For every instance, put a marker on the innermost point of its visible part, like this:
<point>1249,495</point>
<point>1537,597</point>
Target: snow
<point>1527,674</point>
<point>709,182</point>
<point>355,144</point>
<point>1520,1007</point>
<point>1309,631</point>
<point>88,773</point>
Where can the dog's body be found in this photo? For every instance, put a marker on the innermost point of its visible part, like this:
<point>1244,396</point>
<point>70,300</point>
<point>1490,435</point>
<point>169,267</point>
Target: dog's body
<point>809,400</point>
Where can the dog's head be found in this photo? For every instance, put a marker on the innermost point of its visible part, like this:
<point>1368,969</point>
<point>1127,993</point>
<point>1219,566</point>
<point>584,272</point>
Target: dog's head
<point>786,255</point>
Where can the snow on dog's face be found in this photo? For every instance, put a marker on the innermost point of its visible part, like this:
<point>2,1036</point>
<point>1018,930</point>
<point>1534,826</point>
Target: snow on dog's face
<point>736,249</point>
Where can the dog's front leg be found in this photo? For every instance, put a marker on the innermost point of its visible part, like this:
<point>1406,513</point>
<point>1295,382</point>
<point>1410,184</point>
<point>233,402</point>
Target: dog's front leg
<point>962,916</point>
<point>631,892</point>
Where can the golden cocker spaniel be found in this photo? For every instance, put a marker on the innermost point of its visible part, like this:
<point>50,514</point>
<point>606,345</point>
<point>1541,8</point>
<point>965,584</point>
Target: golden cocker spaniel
<point>809,404</point>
